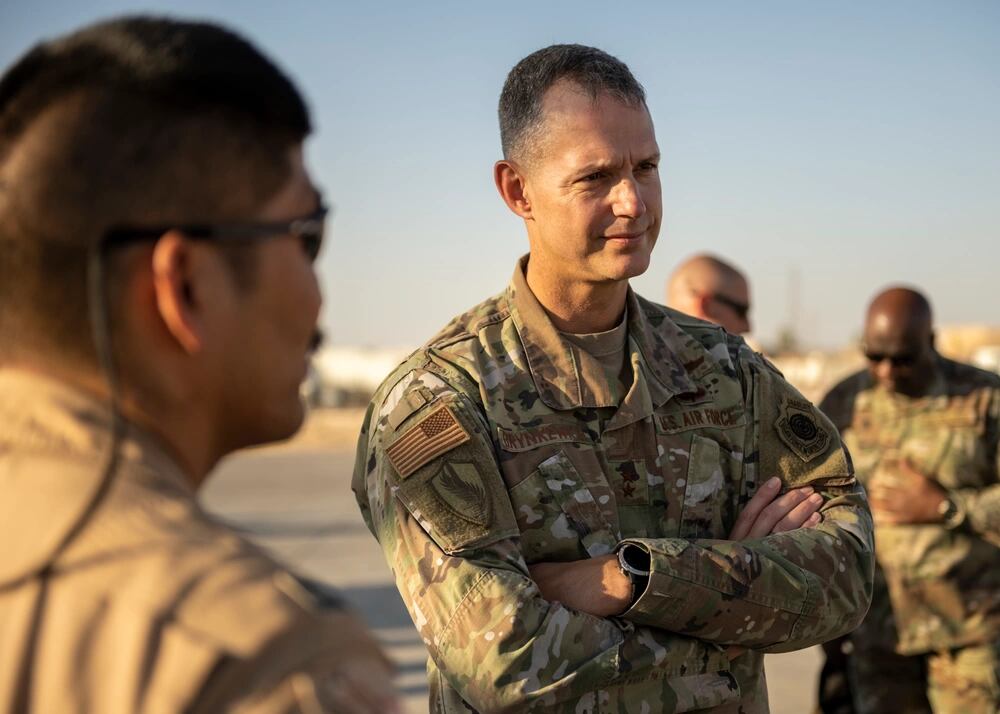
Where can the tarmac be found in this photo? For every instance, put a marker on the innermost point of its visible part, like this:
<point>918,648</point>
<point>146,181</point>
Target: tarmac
<point>296,501</point>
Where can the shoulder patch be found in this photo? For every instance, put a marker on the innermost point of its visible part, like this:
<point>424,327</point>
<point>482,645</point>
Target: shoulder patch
<point>797,442</point>
<point>434,434</point>
<point>459,487</point>
<point>798,427</point>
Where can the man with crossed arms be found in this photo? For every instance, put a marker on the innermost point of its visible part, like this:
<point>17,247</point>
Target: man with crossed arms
<point>553,477</point>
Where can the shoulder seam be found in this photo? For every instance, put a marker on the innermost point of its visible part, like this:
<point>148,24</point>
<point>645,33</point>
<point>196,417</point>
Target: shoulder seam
<point>473,332</point>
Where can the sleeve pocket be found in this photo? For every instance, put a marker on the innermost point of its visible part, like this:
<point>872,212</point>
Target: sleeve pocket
<point>797,442</point>
<point>458,506</point>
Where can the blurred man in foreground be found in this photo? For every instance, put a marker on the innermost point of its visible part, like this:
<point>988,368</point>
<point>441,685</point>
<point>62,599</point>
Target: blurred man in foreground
<point>156,219</point>
<point>554,476</point>
<point>923,431</point>
<point>709,288</point>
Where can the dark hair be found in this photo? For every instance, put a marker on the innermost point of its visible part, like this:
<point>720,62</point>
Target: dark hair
<point>592,70</point>
<point>137,120</point>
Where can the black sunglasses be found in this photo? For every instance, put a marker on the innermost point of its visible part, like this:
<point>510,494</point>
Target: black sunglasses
<point>903,360</point>
<point>741,309</point>
<point>308,229</point>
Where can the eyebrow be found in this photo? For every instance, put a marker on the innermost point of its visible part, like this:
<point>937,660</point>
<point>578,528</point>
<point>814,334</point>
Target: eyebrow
<point>595,166</point>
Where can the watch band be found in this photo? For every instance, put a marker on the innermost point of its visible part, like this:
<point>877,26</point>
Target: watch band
<point>627,567</point>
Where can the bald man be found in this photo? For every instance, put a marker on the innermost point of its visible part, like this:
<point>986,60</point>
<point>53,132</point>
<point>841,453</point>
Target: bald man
<point>923,431</point>
<point>711,289</point>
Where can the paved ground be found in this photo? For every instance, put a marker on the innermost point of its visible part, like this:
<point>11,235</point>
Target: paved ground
<point>297,502</point>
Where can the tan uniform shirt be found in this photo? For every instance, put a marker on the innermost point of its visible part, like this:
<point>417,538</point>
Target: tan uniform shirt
<point>151,605</point>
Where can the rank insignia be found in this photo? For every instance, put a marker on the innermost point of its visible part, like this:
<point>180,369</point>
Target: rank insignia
<point>798,427</point>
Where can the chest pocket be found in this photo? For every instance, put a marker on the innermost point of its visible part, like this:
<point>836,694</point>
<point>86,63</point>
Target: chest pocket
<point>950,446</point>
<point>867,444</point>
<point>702,470</point>
<point>942,440</point>
<point>705,492</point>
<point>561,515</point>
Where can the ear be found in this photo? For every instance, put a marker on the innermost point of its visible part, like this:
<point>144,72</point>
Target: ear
<point>511,184</point>
<point>703,302</point>
<point>176,292</point>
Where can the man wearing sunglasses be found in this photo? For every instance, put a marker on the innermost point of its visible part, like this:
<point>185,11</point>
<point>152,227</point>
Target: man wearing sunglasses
<point>923,431</point>
<point>157,306</point>
<point>709,288</point>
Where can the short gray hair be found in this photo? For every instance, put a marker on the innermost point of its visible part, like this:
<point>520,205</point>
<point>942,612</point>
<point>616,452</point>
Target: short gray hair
<point>592,70</point>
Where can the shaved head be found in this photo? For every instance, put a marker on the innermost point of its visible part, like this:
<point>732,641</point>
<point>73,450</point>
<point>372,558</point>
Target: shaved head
<point>709,288</point>
<point>899,310</point>
<point>899,341</point>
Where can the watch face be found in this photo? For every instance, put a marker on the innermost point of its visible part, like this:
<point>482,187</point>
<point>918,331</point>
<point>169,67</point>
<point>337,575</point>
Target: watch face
<point>633,568</point>
<point>948,510</point>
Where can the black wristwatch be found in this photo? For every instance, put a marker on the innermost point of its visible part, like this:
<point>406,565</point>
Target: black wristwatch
<point>950,515</point>
<point>634,563</point>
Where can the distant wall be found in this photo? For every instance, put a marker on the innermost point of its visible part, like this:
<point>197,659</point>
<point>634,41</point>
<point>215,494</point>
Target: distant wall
<point>348,376</point>
<point>345,376</point>
<point>814,373</point>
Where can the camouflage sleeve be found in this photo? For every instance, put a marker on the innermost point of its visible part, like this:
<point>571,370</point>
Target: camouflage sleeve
<point>431,492</point>
<point>979,509</point>
<point>786,591</point>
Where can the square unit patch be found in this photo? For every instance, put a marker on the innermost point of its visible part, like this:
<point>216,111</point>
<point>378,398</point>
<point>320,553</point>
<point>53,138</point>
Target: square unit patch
<point>798,427</point>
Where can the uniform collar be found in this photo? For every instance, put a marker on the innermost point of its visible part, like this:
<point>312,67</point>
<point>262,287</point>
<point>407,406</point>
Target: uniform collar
<point>939,384</point>
<point>53,451</point>
<point>659,352</point>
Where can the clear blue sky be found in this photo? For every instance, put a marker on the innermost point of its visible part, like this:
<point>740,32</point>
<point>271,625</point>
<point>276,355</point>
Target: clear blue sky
<point>855,143</point>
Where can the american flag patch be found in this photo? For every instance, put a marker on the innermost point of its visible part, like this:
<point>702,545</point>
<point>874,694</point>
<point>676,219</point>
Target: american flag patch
<point>432,436</point>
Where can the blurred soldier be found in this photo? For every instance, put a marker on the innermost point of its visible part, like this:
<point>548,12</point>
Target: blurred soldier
<point>923,431</point>
<point>156,218</point>
<point>553,475</point>
<point>709,288</point>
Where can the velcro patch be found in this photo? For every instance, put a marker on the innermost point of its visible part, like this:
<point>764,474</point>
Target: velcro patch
<point>798,427</point>
<point>460,489</point>
<point>435,434</point>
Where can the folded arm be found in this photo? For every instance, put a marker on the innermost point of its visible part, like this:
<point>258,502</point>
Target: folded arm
<point>785,591</point>
<point>489,630</point>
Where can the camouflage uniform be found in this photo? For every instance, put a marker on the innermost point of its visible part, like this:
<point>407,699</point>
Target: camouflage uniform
<point>934,628</point>
<point>495,446</point>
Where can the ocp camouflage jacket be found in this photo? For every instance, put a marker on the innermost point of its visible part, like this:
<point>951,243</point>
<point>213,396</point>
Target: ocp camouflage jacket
<point>943,579</point>
<point>491,448</point>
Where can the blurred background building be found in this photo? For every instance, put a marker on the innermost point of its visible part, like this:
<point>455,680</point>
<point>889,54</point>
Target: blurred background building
<point>343,376</point>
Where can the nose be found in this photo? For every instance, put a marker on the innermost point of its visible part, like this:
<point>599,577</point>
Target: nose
<point>627,201</point>
<point>884,371</point>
